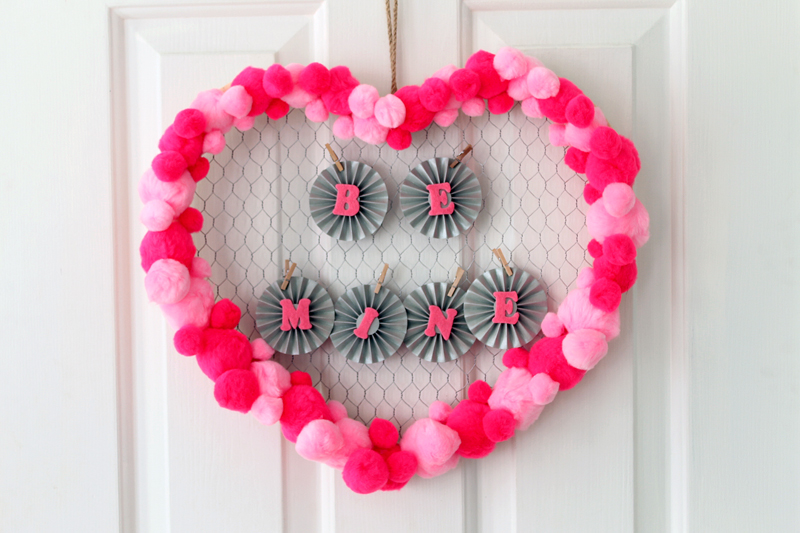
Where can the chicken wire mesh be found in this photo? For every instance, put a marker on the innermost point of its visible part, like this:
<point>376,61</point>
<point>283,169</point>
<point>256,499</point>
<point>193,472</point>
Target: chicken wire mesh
<point>255,203</point>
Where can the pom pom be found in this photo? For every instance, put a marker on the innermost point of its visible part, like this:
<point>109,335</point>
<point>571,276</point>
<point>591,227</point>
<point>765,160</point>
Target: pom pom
<point>214,142</point>
<point>236,390</point>
<point>191,219</point>
<point>499,424</point>
<point>500,104</point>
<point>157,215</point>
<point>543,83</point>
<point>338,93</point>
<point>530,108</point>
<point>398,139</point>
<point>383,433</point>
<point>277,81</point>
<point>277,109</point>
<point>590,194</point>
<point>223,350</point>
<point>434,445</point>
<point>343,127</point>
<point>467,420</point>
<point>173,243</point>
<point>543,388</point>
<point>200,169</point>
<point>516,358</point>
<point>301,405</point>
<point>417,117</point>
<point>194,308</point>
<point>365,472</point>
<point>315,78</point>
<point>167,282</point>
<point>169,166</point>
<point>473,107</point>
<point>479,392</point>
<point>190,149</point>
<point>236,101</point>
<point>189,123</point>
<point>619,249</point>
<point>482,63</point>
<point>252,79</point>
<point>605,143</point>
<point>635,224</point>
<point>434,94</point>
<point>338,411</point>
<point>188,340</point>
<point>577,312</point>
<point>465,84</point>
<point>576,159</point>
<point>580,111</point>
<point>618,199</point>
<point>402,466</point>
<point>584,348</point>
<point>605,295</point>
<point>445,117</point>
<point>552,326</point>
<point>555,107</point>
<point>369,130</point>
<point>316,112</point>
<point>319,440</point>
<point>362,101</point>
<point>225,314</point>
<point>439,411</point>
<point>390,111</point>
<point>510,63</point>
<point>267,410</point>
<point>200,268</point>
<point>547,356</point>
<point>261,350</point>
<point>301,378</point>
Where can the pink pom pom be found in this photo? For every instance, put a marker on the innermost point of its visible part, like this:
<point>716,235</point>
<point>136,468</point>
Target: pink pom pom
<point>365,472</point>
<point>619,250</point>
<point>590,194</point>
<point>482,63</point>
<point>190,149</point>
<point>390,111</point>
<point>225,314</point>
<point>191,219</point>
<point>172,243</point>
<point>576,159</point>
<point>338,411</point>
<point>619,199</point>
<point>223,350</point>
<point>189,123</point>
<point>585,348</point>
<point>383,433</point>
<point>434,94</point>
<point>439,411</point>
<point>552,325</point>
<point>167,282</point>
<point>500,104</point>
<point>236,101</point>
<point>343,127</point>
<point>214,142</point>
<point>434,445</point>
<point>341,85</point>
<point>267,410</point>
<point>557,134</point>
<point>402,466</point>
<point>319,440</point>
<point>635,224</point>
<point>169,166</point>
<point>316,112</point>
<point>369,130</point>
<point>362,101</point>
<point>465,84</point>
<point>277,109</point>
<point>546,356</point>
<point>398,139</point>
<point>315,78</point>
<point>530,107</point>
<point>605,295</point>
<point>585,279</point>
<point>605,143</point>
<point>277,81</point>
<point>236,390</point>
<point>261,350</point>
<point>479,391</point>
<point>194,308</point>
<point>499,425</point>
<point>473,107</point>
<point>516,358</point>
<point>555,107</point>
<point>580,111</point>
<point>417,117</point>
<point>543,388</point>
<point>188,340</point>
<point>543,83</point>
<point>157,215</point>
<point>445,117</point>
<point>510,63</point>
<point>252,79</point>
<point>200,268</point>
<point>200,169</point>
<point>577,312</point>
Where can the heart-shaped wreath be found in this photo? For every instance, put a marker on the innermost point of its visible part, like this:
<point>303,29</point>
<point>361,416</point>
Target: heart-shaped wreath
<point>246,380</point>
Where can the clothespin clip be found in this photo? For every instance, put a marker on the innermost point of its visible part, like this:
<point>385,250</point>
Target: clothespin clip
<point>499,253</point>
<point>461,156</point>
<point>288,275</point>
<point>334,157</point>
<point>459,274</point>
<point>383,277</point>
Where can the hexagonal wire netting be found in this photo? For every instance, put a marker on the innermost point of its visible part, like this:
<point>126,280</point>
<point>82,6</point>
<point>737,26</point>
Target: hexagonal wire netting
<point>255,203</point>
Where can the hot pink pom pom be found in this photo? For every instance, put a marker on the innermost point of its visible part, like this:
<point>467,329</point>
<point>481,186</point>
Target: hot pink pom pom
<point>236,390</point>
<point>605,295</point>
<point>552,325</point>
<point>445,117</point>
<point>369,130</point>
<point>473,107</point>
<point>319,440</point>
<point>362,101</point>
<point>510,63</point>
<point>465,84</point>
<point>547,356</point>
<point>390,111</point>
<point>439,411</point>
<point>434,445</point>
<point>337,95</point>
<point>365,472</point>
<point>398,139</point>
<point>515,358</point>
<point>316,112</point>
<point>223,350</point>
<point>619,199</point>
<point>188,340</point>
<point>530,107</point>
<point>167,282</point>
<point>191,219</point>
<point>417,117</point>
<point>585,348</point>
<point>338,411</point>
<point>555,107</point>
<point>189,123</point>
<point>225,314</point>
<point>261,350</point>
<point>343,127</point>
<point>543,388</point>
<point>177,194</point>
<point>434,94</point>
<point>200,169</point>
<point>173,243</point>
<point>580,111</point>
<point>190,149</point>
<point>277,109</point>
<point>482,63</point>
<point>383,433</point>
<point>576,159</point>
<point>267,410</point>
<point>619,249</point>
<point>499,425</point>
<point>157,215</point>
<point>236,101</point>
<point>277,81</point>
<point>577,312</point>
<point>214,142</point>
<point>194,308</point>
<point>479,391</point>
<point>200,268</point>
<point>315,78</point>
<point>169,166</point>
<point>402,466</point>
<point>543,83</point>
<point>500,104</point>
<point>273,379</point>
<point>252,79</point>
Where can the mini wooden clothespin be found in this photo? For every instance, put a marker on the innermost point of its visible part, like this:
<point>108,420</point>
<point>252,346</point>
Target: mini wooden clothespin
<point>459,274</point>
<point>499,253</point>
<point>334,157</point>
<point>383,277</point>
<point>461,156</point>
<point>288,276</point>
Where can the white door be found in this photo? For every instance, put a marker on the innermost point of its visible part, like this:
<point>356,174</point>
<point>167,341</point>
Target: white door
<point>689,424</point>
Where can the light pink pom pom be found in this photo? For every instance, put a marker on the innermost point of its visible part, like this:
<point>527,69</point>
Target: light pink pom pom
<point>530,107</point>
<point>619,199</point>
<point>510,63</point>
<point>261,350</point>
<point>244,123</point>
<point>543,389</point>
<point>236,101</point>
<point>552,326</point>
<point>343,127</point>
<point>369,130</point>
<point>156,215</point>
<point>194,309</point>
<point>439,411</point>
<point>586,278</point>
<point>390,111</point>
<point>167,281</point>
<point>178,194</point>
<point>214,141</point>
<point>557,134</point>
<point>338,411</point>
<point>362,101</point>
<point>474,107</point>
<point>584,348</point>
<point>316,111</point>
<point>267,410</point>
<point>435,446</point>
<point>319,440</point>
<point>543,83</point>
<point>445,117</point>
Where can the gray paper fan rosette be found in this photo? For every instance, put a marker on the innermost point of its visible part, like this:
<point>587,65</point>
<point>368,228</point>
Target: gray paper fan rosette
<point>479,308</point>
<point>436,348</point>
<point>465,194</point>
<point>384,336</point>
<point>373,200</point>
<point>296,341</point>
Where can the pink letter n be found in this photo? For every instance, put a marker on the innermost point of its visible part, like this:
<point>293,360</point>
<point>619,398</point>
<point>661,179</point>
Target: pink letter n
<point>436,319</point>
<point>293,316</point>
<point>438,199</point>
<point>504,306</point>
<point>346,200</point>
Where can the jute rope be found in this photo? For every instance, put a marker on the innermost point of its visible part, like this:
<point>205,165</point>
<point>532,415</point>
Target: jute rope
<point>391,25</point>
